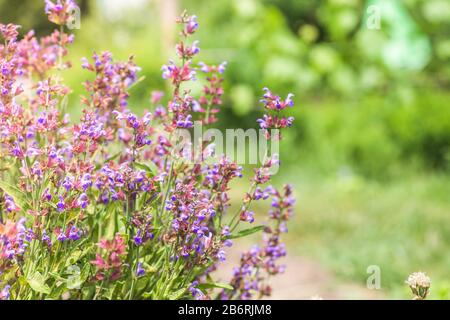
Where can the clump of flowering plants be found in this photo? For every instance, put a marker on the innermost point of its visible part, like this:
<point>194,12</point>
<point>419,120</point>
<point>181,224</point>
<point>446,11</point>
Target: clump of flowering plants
<point>108,207</point>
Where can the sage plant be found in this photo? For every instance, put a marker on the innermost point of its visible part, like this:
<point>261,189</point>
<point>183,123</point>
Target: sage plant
<point>109,207</point>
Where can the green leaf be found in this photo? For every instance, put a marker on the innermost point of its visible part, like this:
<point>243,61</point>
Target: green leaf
<point>22,281</point>
<point>77,277</point>
<point>150,167</point>
<point>85,272</point>
<point>56,292</point>
<point>246,232</point>
<point>37,283</point>
<point>77,254</point>
<point>112,223</point>
<point>177,294</point>
<point>20,198</point>
<point>115,292</point>
<point>214,285</point>
<point>57,276</point>
<point>242,97</point>
<point>113,157</point>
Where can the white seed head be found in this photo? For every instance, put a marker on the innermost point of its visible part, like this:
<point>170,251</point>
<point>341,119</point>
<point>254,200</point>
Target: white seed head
<point>418,279</point>
<point>420,284</point>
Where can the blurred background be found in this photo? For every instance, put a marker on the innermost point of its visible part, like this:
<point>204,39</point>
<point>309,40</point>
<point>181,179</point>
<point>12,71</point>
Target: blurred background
<point>369,154</point>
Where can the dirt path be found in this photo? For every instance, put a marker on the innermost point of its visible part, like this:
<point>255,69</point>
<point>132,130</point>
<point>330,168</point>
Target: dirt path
<point>305,279</point>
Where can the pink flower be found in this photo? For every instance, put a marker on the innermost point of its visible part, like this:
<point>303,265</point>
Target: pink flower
<point>156,96</point>
<point>60,12</point>
<point>191,24</point>
<point>274,102</point>
<point>110,263</point>
<point>178,75</point>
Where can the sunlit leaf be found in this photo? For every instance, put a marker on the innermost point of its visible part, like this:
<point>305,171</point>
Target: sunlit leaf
<point>214,285</point>
<point>246,232</point>
<point>37,283</point>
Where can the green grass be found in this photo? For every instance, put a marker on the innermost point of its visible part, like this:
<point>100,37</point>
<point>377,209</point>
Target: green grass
<point>348,223</point>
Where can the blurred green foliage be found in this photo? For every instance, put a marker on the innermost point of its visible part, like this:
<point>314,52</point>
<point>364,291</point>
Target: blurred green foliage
<point>309,47</point>
<point>378,137</point>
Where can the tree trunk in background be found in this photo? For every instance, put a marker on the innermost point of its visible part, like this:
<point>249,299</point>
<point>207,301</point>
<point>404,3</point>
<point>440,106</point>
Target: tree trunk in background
<point>84,6</point>
<point>169,10</point>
